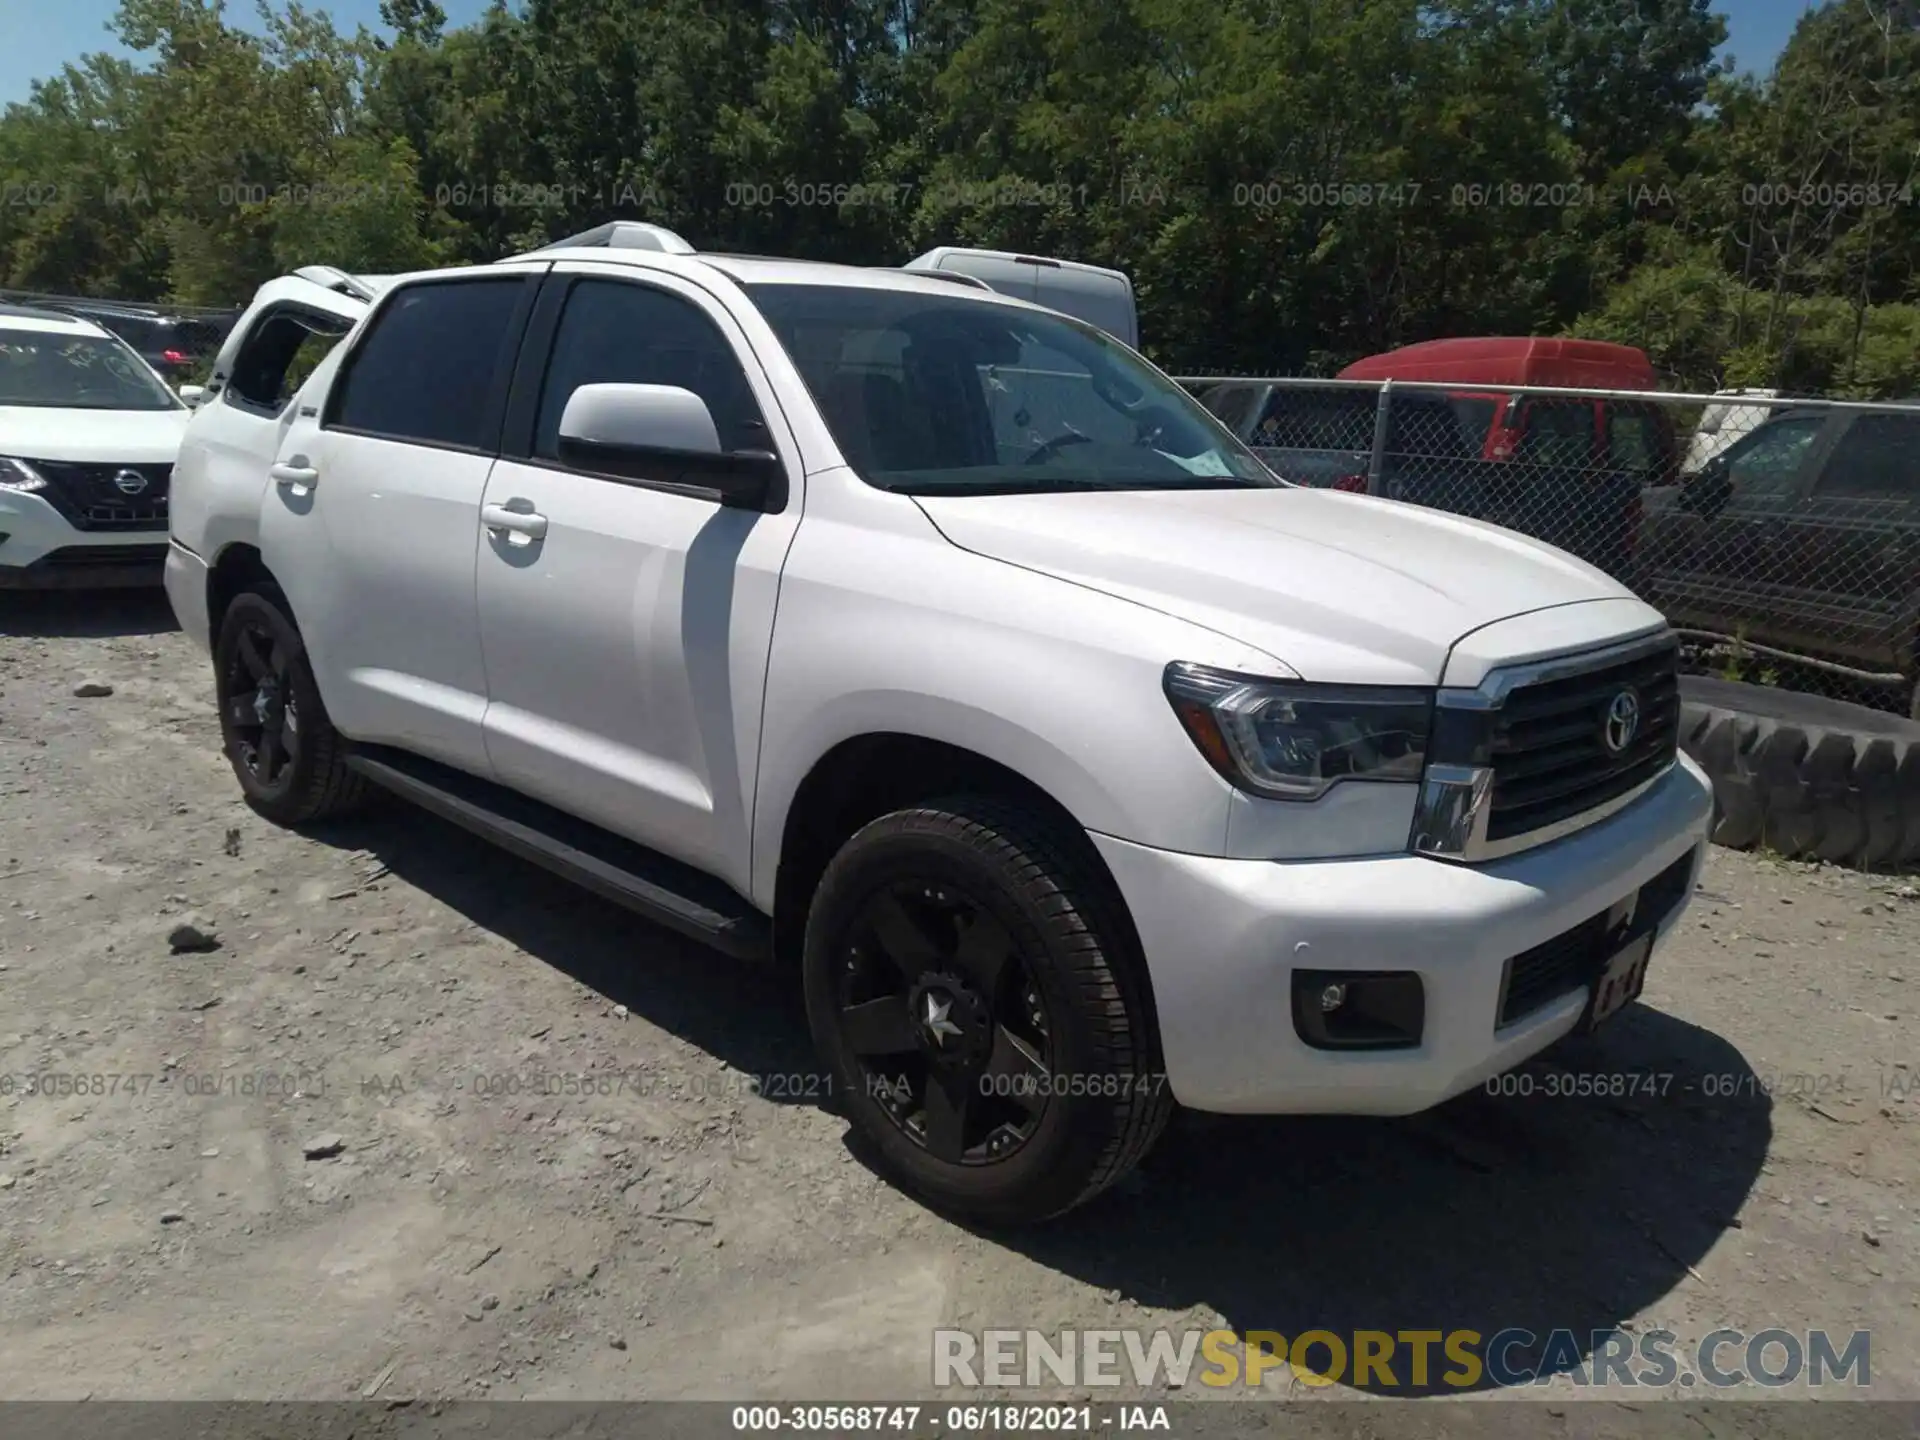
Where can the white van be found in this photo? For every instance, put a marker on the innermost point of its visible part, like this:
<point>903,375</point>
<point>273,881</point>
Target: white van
<point>1087,292</point>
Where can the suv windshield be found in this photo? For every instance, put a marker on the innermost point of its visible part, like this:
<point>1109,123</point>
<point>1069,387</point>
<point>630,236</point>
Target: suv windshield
<point>76,372</point>
<point>941,395</point>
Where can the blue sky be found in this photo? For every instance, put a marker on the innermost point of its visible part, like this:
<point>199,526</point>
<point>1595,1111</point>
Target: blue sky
<point>66,29</point>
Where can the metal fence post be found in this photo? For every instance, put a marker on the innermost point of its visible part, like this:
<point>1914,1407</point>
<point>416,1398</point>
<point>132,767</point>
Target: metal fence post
<point>1377,459</point>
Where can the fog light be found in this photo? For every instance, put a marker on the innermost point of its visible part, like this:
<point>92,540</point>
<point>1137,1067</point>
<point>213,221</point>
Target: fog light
<point>1359,1009</point>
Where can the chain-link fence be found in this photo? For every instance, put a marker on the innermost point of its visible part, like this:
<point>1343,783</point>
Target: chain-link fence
<point>1780,536</point>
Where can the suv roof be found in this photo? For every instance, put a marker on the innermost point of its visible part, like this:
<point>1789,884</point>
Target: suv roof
<point>655,247</point>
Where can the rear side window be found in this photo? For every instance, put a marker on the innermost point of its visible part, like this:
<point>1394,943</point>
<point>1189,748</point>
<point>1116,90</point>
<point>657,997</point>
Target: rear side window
<point>278,355</point>
<point>432,364</point>
<point>1877,459</point>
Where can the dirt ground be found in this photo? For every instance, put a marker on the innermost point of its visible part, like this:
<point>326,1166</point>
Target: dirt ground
<point>557,1153</point>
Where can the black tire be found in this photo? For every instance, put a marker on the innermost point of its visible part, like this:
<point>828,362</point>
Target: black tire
<point>1072,953</point>
<point>312,781</point>
<point>1805,776</point>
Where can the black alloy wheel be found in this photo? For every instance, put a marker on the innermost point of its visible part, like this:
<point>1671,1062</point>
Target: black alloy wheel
<point>979,999</point>
<point>261,711</point>
<point>289,760</point>
<point>949,1026</point>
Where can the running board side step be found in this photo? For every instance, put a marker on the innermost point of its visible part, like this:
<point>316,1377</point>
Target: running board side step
<point>652,885</point>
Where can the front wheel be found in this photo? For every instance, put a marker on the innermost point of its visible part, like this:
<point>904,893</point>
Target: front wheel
<point>982,1008</point>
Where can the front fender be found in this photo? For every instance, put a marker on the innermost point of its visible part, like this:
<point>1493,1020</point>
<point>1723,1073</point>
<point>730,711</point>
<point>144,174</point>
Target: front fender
<point>896,631</point>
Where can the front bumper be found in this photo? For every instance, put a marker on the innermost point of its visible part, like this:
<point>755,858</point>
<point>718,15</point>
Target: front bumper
<point>40,549</point>
<point>1223,937</point>
<point>186,581</point>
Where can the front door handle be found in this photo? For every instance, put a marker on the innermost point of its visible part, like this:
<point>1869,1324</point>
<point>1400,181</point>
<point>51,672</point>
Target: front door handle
<point>499,519</point>
<point>297,471</point>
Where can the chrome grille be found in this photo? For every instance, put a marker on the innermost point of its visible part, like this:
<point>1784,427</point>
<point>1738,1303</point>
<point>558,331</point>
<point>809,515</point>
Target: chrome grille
<point>1552,755</point>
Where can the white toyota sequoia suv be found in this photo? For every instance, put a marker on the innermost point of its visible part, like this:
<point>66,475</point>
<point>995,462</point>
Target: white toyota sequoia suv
<point>938,643</point>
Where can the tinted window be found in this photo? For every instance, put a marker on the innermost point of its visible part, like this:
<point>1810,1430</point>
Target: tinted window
<point>1430,426</point>
<point>1317,419</point>
<point>952,394</point>
<point>427,369</point>
<point>1767,462</point>
<point>1639,440</point>
<point>1877,459</point>
<point>1558,431</point>
<point>278,355</point>
<point>615,332</point>
<point>1476,414</point>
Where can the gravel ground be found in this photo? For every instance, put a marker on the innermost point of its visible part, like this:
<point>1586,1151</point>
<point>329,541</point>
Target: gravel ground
<point>430,1123</point>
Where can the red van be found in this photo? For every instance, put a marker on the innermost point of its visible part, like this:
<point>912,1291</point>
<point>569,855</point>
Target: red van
<point>1627,435</point>
<point>1589,457</point>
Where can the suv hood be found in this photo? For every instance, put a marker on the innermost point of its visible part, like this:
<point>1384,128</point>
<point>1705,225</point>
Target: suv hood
<point>1342,588</point>
<point>137,437</point>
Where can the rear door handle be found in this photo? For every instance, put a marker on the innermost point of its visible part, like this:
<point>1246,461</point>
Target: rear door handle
<point>294,472</point>
<point>499,519</point>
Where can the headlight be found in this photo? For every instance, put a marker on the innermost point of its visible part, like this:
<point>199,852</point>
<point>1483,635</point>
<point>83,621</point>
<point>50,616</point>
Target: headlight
<point>19,475</point>
<point>1290,740</point>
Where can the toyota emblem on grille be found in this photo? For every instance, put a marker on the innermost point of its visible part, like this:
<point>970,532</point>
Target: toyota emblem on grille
<point>1623,722</point>
<point>129,482</point>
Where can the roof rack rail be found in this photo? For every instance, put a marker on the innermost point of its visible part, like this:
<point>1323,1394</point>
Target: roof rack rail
<point>620,235</point>
<point>953,276</point>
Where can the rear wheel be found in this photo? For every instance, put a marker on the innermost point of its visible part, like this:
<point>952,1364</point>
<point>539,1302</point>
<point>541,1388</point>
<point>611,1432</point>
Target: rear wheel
<point>289,760</point>
<point>982,1010</point>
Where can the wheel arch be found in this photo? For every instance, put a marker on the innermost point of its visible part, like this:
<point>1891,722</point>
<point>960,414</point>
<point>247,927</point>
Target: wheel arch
<point>868,775</point>
<point>236,568</point>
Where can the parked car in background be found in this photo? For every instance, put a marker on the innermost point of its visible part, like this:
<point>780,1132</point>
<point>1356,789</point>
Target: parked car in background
<point>1566,470</point>
<point>174,344</point>
<point>88,438</point>
<point>935,643</point>
<point>1578,463</point>
<point>1322,435</point>
<point>1803,535</point>
<point>1091,293</point>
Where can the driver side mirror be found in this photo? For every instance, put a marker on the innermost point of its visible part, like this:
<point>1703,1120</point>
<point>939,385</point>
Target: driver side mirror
<point>664,434</point>
<point>192,395</point>
<point>1708,492</point>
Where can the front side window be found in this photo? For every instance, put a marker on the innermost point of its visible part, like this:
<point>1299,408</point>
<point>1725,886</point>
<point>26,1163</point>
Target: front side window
<point>949,394</point>
<point>619,332</point>
<point>429,366</point>
<point>1768,462</point>
<point>43,369</point>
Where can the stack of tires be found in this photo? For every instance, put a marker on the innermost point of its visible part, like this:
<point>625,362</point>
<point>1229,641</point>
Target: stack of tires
<point>1804,776</point>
